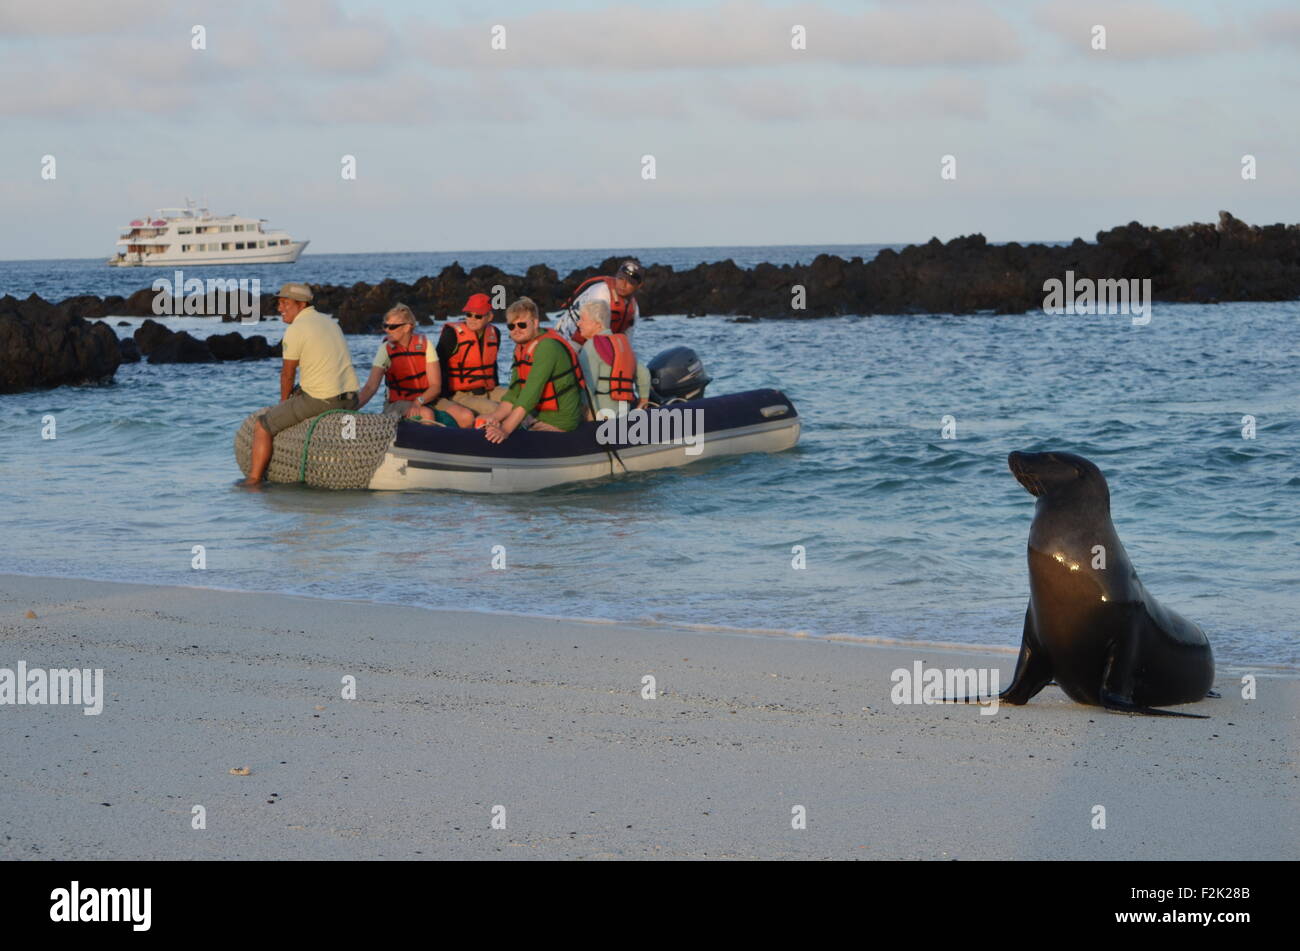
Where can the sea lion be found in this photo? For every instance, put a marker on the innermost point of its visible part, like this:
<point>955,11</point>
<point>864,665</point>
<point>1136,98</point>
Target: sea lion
<point>1091,626</point>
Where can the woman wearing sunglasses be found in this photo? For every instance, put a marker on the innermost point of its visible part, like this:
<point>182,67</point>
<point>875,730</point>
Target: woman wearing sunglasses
<point>408,363</point>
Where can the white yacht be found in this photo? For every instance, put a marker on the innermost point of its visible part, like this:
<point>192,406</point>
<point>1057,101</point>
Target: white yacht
<point>194,236</point>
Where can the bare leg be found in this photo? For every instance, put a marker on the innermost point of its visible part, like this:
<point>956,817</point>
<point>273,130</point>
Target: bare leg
<point>462,412</point>
<point>262,447</point>
<point>409,409</point>
<point>463,415</point>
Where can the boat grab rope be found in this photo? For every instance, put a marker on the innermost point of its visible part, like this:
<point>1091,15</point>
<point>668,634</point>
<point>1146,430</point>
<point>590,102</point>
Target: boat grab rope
<point>306,442</point>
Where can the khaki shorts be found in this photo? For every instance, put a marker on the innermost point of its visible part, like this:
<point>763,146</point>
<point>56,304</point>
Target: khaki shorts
<point>300,406</point>
<point>483,404</point>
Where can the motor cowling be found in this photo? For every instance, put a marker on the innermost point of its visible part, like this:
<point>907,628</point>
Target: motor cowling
<point>677,374</point>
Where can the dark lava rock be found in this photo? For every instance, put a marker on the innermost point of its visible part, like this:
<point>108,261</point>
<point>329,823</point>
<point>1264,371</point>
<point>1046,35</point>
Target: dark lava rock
<point>40,346</point>
<point>139,304</point>
<point>84,305</point>
<point>150,334</point>
<point>162,345</point>
<point>129,350</point>
<point>234,346</point>
<point>181,348</point>
<point>231,346</point>
<point>1230,260</point>
<point>259,349</point>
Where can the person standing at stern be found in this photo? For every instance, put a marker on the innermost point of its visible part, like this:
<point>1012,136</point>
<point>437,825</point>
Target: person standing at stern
<point>617,292</point>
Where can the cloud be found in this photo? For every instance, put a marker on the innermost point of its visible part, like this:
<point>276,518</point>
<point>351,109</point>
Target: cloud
<point>645,98</point>
<point>769,100</point>
<point>29,89</point>
<point>1278,26</point>
<point>1135,29</point>
<point>314,59</point>
<point>317,34</point>
<point>948,97</point>
<point>77,17</point>
<point>1071,100</point>
<point>729,35</point>
<point>143,62</point>
<point>793,101</point>
<point>409,98</point>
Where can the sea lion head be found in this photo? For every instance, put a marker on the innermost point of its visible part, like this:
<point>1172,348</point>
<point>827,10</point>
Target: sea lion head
<point>1059,477</point>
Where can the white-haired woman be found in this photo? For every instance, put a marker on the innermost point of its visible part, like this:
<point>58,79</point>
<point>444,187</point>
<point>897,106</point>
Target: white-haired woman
<point>616,380</point>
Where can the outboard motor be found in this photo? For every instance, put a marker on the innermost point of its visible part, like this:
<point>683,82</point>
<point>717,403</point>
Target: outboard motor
<point>677,374</point>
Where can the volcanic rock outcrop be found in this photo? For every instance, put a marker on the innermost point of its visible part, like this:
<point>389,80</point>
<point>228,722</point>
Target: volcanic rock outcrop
<point>41,345</point>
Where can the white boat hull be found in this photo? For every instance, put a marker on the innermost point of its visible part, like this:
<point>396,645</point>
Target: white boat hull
<point>283,255</point>
<point>419,469</point>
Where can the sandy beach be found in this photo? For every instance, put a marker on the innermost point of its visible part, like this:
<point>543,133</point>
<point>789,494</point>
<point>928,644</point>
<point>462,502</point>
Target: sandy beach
<point>457,713</point>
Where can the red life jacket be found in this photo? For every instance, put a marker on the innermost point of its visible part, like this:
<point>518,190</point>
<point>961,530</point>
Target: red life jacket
<point>407,375</point>
<point>523,365</point>
<point>473,364</point>
<point>622,310</point>
<point>617,385</point>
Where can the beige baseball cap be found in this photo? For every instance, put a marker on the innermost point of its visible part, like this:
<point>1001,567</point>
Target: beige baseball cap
<point>295,291</point>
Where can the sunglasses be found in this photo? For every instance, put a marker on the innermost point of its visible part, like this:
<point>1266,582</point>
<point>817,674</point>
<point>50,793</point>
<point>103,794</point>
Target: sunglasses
<point>519,325</point>
<point>395,326</point>
<point>475,316</point>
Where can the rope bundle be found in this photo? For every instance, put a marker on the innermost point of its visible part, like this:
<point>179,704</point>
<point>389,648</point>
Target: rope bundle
<point>316,452</point>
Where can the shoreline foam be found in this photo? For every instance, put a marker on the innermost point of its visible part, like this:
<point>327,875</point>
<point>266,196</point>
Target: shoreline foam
<point>857,640</point>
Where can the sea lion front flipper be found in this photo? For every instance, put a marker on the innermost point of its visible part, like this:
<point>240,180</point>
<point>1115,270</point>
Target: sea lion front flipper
<point>1033,669</point>
<point>1117,683</point>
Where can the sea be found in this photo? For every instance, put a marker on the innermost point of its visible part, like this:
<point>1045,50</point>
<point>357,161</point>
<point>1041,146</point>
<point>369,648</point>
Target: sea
<point>895,519</point>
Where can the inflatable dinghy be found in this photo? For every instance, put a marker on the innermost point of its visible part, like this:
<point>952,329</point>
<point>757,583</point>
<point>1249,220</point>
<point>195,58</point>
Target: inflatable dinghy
<point>348,450</point>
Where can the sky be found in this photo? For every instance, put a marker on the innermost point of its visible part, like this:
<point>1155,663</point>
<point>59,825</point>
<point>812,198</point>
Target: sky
<point>542,144</point>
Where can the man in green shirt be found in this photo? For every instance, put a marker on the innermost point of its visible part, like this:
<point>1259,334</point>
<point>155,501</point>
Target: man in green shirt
<point>546,387</point>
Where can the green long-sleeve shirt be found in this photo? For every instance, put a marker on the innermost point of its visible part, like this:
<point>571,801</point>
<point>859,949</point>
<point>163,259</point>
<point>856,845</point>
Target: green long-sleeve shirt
<point>550,358</point>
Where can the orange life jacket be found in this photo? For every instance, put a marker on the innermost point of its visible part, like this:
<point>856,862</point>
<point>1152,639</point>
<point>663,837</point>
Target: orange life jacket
<point>407,375</point>
<point>523,365</point>
<point>622,310</point>
<point>617,385</point>
<point>473,364</point>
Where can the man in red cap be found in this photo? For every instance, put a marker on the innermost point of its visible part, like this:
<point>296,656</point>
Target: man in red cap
<point>468,350</point>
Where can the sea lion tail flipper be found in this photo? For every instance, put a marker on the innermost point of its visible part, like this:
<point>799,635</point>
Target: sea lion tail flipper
<point>1119,704</point>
